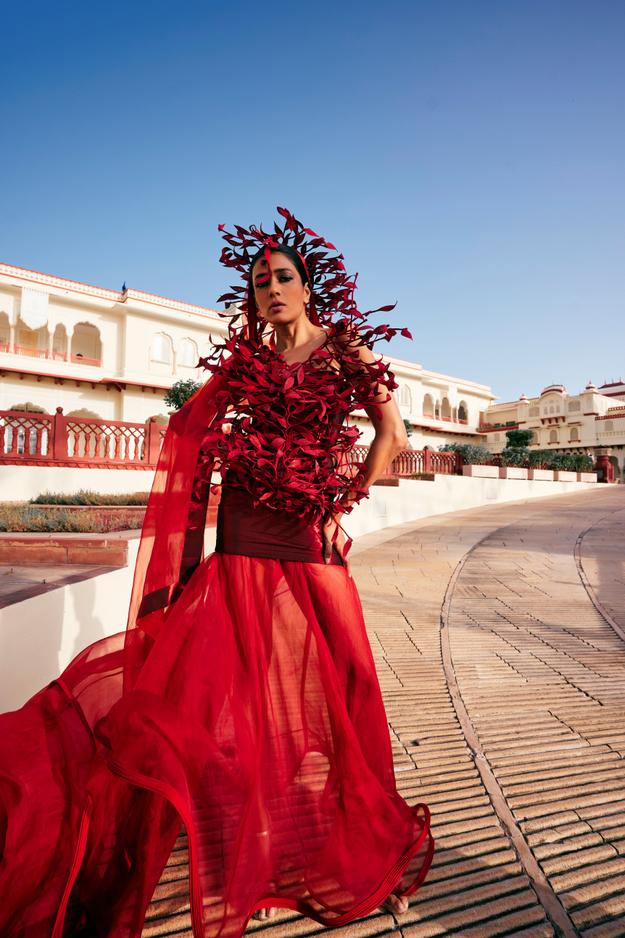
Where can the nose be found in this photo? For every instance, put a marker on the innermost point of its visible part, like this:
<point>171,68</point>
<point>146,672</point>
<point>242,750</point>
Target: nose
<point>273,285</point>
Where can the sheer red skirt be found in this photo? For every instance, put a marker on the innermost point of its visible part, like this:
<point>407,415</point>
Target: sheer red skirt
<point>255,720</point>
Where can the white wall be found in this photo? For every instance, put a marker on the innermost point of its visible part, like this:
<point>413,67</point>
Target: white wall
<point>414,499</point>
<point>19,483</point>
<point>49,630</point>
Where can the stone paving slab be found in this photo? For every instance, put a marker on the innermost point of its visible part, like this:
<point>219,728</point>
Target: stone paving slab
<point>21,582</point>
<point>496,638</point>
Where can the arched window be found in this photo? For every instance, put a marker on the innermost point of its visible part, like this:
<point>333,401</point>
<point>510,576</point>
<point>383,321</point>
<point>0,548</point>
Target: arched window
<point>553,436</point>
<point>463,413</point>
<point>161,348</point>
<point>574,434</point>
<point>428,406</point>
<point>405,397</point>
<point>86,344</point>
<point>188,355</point>
<point>446,409</point>
<point>32,342</point>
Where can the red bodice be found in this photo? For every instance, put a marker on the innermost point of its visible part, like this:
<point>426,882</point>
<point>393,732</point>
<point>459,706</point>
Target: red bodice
<point>284,437</point>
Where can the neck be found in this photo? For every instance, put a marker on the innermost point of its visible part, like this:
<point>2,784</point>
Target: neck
<point>295,334</point>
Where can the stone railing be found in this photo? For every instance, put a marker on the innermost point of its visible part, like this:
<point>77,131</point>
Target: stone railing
<point>415,462</point>
<point>35,439</point>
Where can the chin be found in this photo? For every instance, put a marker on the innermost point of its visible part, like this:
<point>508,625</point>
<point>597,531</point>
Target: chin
<point>283,316</point>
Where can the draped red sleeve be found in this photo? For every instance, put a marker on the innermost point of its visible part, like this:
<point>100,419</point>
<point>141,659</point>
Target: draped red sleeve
<point>172,535</point>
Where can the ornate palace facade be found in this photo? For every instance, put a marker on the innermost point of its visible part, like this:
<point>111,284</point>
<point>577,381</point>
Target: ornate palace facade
<point>592,421</point>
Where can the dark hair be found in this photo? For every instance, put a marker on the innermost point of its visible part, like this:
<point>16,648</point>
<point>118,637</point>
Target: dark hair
<point>289,252</point>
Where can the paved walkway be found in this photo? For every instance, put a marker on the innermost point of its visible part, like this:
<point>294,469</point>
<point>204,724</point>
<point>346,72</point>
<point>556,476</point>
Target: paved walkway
<point>499,637</point>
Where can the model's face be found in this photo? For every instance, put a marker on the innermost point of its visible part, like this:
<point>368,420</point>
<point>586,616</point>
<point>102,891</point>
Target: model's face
<point>278,289</point>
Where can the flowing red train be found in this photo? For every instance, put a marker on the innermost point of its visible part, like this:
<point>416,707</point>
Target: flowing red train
<point>242,702</point>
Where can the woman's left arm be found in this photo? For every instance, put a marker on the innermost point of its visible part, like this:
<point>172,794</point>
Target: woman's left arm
<point>389,440</point>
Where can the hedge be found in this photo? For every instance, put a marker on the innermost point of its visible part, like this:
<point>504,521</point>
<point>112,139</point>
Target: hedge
<point>90,497</point>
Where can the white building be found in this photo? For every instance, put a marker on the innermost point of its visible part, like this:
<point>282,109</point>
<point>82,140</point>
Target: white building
<point>68,344</point>
<point>592,421</point>
<point>71,345</point>
<point>440,408</point>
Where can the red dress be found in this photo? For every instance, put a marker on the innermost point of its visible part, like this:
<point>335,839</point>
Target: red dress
<point>241,701</point>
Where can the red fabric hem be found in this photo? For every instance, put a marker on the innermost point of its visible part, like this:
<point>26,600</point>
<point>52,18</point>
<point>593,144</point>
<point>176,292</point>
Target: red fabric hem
<point>79,854</point>
<point>195,891</point>
<point>373,901</point>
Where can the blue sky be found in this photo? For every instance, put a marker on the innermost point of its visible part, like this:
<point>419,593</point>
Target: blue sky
<point>466,157</point>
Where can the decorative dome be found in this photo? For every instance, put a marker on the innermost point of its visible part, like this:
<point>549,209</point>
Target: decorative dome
<point>559,388</point>
<point>590,386</point>
<point>523,397</point>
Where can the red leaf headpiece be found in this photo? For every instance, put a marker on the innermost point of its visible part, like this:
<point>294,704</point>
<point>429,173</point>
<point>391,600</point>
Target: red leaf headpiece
<point>332,288</point>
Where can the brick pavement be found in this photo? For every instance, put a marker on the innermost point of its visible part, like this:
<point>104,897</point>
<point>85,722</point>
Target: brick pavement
<point>498,638</point>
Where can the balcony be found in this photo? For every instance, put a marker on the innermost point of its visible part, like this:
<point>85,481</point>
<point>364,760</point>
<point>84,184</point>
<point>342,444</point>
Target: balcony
<point>43,353</point>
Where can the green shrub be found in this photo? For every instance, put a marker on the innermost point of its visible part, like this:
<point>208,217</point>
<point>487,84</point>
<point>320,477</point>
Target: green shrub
<point>471,455</point>
<point>180,392</point>
<point>559,461</point>
<point>515,456</point>
<point>518,439</point>
<point>538,458</point>
<point>45,520</point>
<point>90,497</point>
<point>581,462</point>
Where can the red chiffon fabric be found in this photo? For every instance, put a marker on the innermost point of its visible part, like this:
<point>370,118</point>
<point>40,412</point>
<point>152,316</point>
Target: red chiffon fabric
<point>241,702</point>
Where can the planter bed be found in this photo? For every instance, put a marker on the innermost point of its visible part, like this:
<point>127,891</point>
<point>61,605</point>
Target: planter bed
<point>129,517</point>
<point>481,472</point>
<point>544,475</point>
<point>512,472</point>
<point>135,513</point>
<point>26,549</point>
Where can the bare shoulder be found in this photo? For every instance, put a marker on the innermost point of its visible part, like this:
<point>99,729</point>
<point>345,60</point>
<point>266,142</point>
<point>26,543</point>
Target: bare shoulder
<point>352,351</point>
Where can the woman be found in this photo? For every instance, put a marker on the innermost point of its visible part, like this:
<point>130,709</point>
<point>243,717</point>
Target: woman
<point>242,700</point>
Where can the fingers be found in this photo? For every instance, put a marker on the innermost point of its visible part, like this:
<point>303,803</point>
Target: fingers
<point>328,530</point>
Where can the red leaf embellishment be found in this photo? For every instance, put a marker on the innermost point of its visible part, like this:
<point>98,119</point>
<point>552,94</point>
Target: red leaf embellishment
<point>289,444</point>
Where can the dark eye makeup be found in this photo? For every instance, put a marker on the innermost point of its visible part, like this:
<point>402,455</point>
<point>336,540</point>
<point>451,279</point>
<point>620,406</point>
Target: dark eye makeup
<point>263,282</point>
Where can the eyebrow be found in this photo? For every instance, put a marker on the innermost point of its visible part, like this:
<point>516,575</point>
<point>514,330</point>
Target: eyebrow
<point>278,270</point>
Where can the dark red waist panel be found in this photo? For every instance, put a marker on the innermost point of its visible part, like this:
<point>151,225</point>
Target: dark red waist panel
<point>264,532</point>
